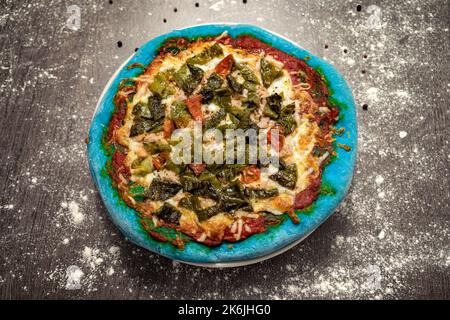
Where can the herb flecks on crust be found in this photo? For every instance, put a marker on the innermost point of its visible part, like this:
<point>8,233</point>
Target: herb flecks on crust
<point>223,83</point>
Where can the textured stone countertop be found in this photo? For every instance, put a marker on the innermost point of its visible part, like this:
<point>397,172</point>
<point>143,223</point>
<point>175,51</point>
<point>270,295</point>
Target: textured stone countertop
<point>389,239</point>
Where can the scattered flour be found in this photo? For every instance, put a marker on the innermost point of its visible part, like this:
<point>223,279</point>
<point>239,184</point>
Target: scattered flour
<point>372,94</point>
<point>114,250</point>
<point>76,215</point>
<point>402,93</point>
<point>73,276</point>
<point>110,271</point>
<point>92,257</point>
<point>217,6</point>
<point>379,179</point>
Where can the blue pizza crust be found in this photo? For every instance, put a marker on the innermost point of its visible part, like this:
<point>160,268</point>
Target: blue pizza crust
<point>337,175</point>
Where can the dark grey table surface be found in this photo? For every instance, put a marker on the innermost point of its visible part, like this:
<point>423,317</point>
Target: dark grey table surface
<point>390,238</point>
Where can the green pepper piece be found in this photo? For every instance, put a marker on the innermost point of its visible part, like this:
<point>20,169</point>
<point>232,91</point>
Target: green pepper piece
<point>142,167</point>
<point>156,107</point>
<point>177,168</point>
<point>269,72</point>
<point>273,106</point>
<point>228,172</point>
<point>215,119</point>
<point>252,102</point>
<point>189,181</point>
<point>287,118</point>
<point>286,175</point>
<point>213,83</point>
<point>157,128</point>
<point>222,97</point>
<point>180,115</point>
<point>141,126</point>
<point>215,50</point>
<point>157,147</point>
<point>240,112</point>
<point>233,125</point>
<point>288,110</point>
<point>207,213</point>
<point>234,84</point>
<point>199,187</point>
<point>160,190</point>
<point>161,84</point>
<point>232,198</point>
<point>250,86</point>
<point>246,73</point>
<point>137,191</point>
<point>260,193</point>
<point>168,213</point>
<point>190,202</point>
<point>270,113</point>
<point>142,111</point>
<point>302,77</point>
<point>206,55</point>
<point>273,219</point>
<point>289,124</point>
<point>209,177</point>
<point>188,77</point>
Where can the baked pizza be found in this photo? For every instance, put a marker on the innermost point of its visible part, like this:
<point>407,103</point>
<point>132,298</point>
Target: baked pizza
<point>220,83</point>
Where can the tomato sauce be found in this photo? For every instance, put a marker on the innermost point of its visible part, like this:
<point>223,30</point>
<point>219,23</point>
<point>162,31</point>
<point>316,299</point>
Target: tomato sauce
<point>197,168</point>
<point>249,227</point>
<point>118,165</point>
<point>306,197</point>
<point>117,117</point>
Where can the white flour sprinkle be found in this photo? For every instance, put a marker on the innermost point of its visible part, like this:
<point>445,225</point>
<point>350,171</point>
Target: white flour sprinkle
<point>379,179</point>
<point>217,6</point>
<point>76,214</point>
<point>372,94</point>
<point>92,257</point>
<point>110,271</point>
<point>114,250</point>
<point>402,93</point>
<point>73,277</point>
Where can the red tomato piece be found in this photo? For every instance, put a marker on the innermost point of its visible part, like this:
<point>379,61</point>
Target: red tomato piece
<point>224,66</point>
<point>278,146</point>
<point>169,126</point>
<point>194,105</point>
<point>250,174</point>
<point>197,168</point>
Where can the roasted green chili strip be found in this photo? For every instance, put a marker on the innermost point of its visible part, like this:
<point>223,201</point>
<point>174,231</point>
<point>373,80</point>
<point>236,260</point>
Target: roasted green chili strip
<point>168,213</point>
<point>286,175</point>
<point>269,72</point>
<point>188,77</point>
<point>160,190</point>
